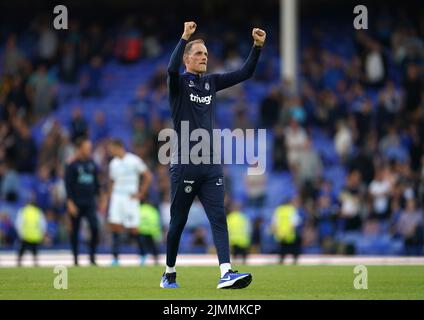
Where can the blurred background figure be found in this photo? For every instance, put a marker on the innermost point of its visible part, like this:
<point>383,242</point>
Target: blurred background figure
<point>411,226</point>
<point>150,230</point>
<point>82,189</point>
<point>239,232</point>
<point>256,189</point>
<point>31,226</point>
<point>286,219</point>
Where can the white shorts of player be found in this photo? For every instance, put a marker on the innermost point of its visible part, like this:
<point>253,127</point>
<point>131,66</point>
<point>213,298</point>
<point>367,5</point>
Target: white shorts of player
<point>124,211</point>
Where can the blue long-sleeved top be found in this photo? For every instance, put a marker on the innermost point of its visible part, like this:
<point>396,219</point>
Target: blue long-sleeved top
<point>192,97</point>
<point>81,182</point>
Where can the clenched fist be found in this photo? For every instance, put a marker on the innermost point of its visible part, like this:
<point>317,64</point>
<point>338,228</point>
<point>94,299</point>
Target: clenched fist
<point>189,29</point>
<point>259,37</point>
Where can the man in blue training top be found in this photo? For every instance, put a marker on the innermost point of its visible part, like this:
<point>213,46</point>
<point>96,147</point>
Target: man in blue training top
<point>192,96</point>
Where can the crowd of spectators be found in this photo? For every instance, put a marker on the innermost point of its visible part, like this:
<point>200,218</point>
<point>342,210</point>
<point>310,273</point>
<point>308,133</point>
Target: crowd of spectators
<point>371,105</point>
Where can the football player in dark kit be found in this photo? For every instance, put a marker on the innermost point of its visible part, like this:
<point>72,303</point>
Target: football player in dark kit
<point>192,96</point>
<point>82,188</point>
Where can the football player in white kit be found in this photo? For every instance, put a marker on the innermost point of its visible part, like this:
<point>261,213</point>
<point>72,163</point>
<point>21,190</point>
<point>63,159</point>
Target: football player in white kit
<point>125,194</point>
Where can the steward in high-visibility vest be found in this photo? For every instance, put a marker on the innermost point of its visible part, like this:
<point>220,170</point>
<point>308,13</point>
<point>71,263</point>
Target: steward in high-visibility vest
<point>285,223</point>
<point>31,227</point>
<point>31,224</point>
<point>239,233</point>
<point>238,229</point>
<point>286,219</point>
<point>150,230</point>
<point>150,221</point>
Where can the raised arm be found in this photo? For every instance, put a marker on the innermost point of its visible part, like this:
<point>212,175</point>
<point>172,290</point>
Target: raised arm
<point>225,80</point>
<point>176,58</point>
<point>177,55</point>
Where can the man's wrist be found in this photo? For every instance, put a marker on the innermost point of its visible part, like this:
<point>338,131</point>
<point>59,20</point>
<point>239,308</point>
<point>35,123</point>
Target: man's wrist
<point>258,45</point>
<point>185,37</point>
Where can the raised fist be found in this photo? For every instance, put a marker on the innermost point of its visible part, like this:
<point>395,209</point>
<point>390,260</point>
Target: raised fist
<point>189,29</point>
<point>259,36</point>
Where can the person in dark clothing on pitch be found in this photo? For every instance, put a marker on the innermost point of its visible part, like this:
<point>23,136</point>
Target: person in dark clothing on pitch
<point>192,97</point>
<point>82,188</point>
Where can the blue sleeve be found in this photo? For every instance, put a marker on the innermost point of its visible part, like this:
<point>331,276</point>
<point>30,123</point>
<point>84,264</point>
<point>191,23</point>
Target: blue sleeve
<point>174,65</point>
<point>225,80</point>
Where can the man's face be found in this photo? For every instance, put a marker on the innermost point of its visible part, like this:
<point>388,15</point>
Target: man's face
<point>112,149</point>
<point>85,149</point>
<point>196,59</point>
<point>115,150</point>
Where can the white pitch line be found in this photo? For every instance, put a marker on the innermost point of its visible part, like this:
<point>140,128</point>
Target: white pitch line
<point>48,259</point>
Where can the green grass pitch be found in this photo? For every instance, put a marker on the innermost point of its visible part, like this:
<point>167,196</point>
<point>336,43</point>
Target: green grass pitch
<point>269,282</point>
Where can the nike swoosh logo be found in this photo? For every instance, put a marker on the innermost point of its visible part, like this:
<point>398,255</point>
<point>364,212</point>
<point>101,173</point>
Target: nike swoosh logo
<point>227,278</point>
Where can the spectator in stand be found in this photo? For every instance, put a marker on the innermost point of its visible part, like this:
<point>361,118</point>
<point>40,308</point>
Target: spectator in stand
<point>141,105</point>
<point>296,138</point>
<point>279,150</point>
<point>364,121</point>
<point>413,85</point>
<point>240,114</point>
<point>309,170</point>
<point>363,161</point>
<point>100,129</point>
<point>270,109</point>
<point>326,217</point>
<point>7,230</point>
<point>18,97</point>
<point>58,192</point>
<point>91,79</point>
<point>9,186</point>
<point>152,46</point>
<point>79,126</point>
<point>158,78</point>
<point>26,150</point>
<point>43,186</point>
<point>256,189</point>
<point>42,91</point>
<point>69,63</point>
<point>379,191</point>
<point>13,56</point>
<point>389,106</point>
<point>420,175</point>
<point>129,43</point>
<point>343,141</point>
<point>375,64</point>
<point>96,43</point>
<point>410,226</point>
<point>328,111</point>
<point>415,144</point>
<point>48,43</point>
<point>352,199</point>
<point>52,147</point>
<point>141,132</point>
